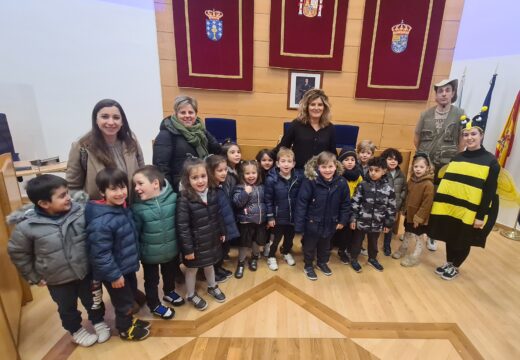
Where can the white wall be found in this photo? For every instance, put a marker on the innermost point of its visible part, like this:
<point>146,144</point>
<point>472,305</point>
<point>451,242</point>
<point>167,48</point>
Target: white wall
<point>487,41</point>
<point>59,57</point>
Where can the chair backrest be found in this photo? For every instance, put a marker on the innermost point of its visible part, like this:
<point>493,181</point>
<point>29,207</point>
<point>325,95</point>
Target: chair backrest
<point>286,126</point>
<point>222,129</point>
<point>346,135</point>
<point>6,141</point>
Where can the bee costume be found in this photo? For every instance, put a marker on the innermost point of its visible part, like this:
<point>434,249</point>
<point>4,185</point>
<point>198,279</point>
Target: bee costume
<point>467,191</point>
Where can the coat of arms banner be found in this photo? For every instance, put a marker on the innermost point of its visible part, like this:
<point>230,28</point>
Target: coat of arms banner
<point>307,34</point>
<point>214,43</point>
<point>398,48</point>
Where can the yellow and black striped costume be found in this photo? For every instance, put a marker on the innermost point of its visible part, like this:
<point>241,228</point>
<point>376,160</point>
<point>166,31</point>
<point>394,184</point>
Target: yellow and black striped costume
<point>466,192</point>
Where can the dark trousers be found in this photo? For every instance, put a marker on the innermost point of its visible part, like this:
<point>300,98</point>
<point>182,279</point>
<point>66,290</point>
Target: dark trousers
<point>371,240</point>
<point>285,231</point>
<point>226,246</point>
<point>387,239</point>
<point>316,246</point>
<point>456,256</point>
<point>345,238</point>
<point>123,301</point>
<point>66,297</point>
<point>151,281</point>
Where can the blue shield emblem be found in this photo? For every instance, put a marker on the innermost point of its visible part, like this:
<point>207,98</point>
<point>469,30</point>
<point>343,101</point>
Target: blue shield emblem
<point>214,26</point>
<point>400,34</point>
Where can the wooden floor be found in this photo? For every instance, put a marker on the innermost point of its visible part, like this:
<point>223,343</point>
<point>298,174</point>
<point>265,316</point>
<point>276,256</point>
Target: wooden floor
<point>401,313</point>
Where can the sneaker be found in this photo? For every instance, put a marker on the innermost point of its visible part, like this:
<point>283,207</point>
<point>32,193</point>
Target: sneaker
<point>364,252</point>
<point>431,244</point>
<point>375,264</point>
<point>344,258</point>
<point>253,263</point>
<point>102,331</point>
<point>239,272</point>
<point>163,312</point>
<point>272,264</point>
<point>173,298</point>
<point>226,272</point>
<point>324,268</point>
<point>441,269</point>
<point>310,273</point>
<point>289,259</point>
<point>217,294</point>
<point>141,323</point>
<point>220,277</point>
<point>134,333</point>
<point>267,248</point>
<point>355,265</point>
<point>198,302</point>
<point>83,338</point>
<point>450,273</point>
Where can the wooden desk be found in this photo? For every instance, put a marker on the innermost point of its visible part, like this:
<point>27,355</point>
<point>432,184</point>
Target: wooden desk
<point>38,170</point>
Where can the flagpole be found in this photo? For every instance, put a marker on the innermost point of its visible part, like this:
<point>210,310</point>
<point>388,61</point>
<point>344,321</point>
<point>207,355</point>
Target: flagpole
<point>462,81</point>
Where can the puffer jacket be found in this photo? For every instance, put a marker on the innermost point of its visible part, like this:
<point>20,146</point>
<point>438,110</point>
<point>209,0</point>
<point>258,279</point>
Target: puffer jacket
<point>47,248</point>
<point>322,204</point>
<point>229,184</point>
<point>373,205</point>
<point>170,150</point>
<point>280,195</point>
<point>250,208</point>
<point>112,241</point>
<point>419,199</point>
<point>155,224</point>
<point>200,226</point>
<point>398,182</point>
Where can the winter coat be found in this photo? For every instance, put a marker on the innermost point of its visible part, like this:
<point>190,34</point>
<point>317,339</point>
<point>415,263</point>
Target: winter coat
<point>280,196</point>
<point>200,226</point>
<point>155,224</point>
<point>250,208</point>
<point>322,204</point>
<point>171,149</point>
<point>398,181</point>
<point>419,199</point>
<point>354,178</point>
<point>53,249</point>
<point>81,177</point>
<point>112,241</point>
<point>374,205</point>
<point>229,184</point>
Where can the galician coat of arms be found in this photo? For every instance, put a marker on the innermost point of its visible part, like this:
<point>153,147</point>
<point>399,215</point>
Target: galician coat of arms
<point>310,8</point>
<point>400,37</point>
<point>214,26</point>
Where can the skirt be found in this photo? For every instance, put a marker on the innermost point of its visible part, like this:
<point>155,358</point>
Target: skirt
<point>250,232</point>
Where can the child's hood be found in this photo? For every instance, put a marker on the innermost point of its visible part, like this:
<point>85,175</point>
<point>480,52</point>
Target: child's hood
<point>95,209</point>
<point>426,177</point>
<point>311,168</point>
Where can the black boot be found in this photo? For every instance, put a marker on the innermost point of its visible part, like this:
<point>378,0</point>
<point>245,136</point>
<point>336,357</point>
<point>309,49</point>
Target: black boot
<point>239,273</point>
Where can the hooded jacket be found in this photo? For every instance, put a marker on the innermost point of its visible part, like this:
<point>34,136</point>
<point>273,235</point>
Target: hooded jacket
<point>53,249</point>
<point>399,184</point>
<point>281,194</point>
<point>170,149</point>
<point>322,204</point>
<point>250,208</point>
<point>155,224</point>
<point>112,240</point>
<point>419,199</point>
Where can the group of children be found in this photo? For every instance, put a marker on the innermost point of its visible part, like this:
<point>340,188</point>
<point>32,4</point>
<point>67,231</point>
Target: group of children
<point>73,248</point>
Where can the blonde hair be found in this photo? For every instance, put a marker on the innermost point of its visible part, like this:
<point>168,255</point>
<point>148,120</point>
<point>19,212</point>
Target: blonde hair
<point>303,109</point>
<point>284,152</point>
<point>325,157</point>
<point>366,145</point>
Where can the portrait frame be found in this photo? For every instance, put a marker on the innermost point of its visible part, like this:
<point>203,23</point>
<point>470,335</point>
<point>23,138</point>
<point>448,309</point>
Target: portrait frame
<point>298,85</point>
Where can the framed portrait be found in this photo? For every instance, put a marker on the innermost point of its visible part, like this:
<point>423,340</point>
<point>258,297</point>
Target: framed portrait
<point>299,83</point>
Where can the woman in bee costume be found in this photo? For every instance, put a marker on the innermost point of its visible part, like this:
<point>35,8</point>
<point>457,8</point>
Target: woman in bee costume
<point>465,206</point>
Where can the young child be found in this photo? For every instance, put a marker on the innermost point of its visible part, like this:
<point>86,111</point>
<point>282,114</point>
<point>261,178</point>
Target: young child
<point>323,207</point>
<point>265,159</point>
<point>419,200</point>
<point>49,248</point>
<point>353,175</point>
<point>397,179</point>
<point>114,249</point>
<point>281,190</point>
<point>218,179</point>
<point>365,150</point>
<point>201,228</point>
<point>248,199</point>
<point>154,215</point>
<point>233,155</point>
<point>373,208</point>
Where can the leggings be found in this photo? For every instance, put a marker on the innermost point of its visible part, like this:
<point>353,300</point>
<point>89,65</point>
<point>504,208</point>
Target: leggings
<point>456,256</point>
<point>191,277</point>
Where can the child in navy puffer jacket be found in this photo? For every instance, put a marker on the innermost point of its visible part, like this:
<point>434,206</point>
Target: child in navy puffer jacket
<point>323,207</point>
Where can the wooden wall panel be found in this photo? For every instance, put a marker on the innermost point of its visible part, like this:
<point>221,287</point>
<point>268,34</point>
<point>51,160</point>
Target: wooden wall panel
<point>261,113</point>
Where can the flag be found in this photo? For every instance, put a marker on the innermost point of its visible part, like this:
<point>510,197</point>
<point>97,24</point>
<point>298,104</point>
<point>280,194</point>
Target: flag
<point>505,142</point>
<point>487,102</point>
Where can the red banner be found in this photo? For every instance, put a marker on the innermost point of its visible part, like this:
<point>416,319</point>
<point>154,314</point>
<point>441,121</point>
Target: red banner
<point>307,34</point>
<point>398,48</point>
<point>214,43</point>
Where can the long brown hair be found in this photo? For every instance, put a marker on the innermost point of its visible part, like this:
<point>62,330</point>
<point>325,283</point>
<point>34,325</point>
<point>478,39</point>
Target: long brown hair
<point>303,109</point>
<point>95,142</point>
<point>212,162</point>
<point>190,164</point>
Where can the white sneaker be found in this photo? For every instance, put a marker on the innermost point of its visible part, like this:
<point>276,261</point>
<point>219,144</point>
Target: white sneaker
<point>83,338</point>
<point>102,331</point>
<point>431,244</point>
<point>272,263</point>
<point>267,248</point>
<point>364,252</point>
<point>289,259</point>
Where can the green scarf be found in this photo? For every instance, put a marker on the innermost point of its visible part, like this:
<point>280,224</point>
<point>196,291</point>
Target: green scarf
<point>194,135</point>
